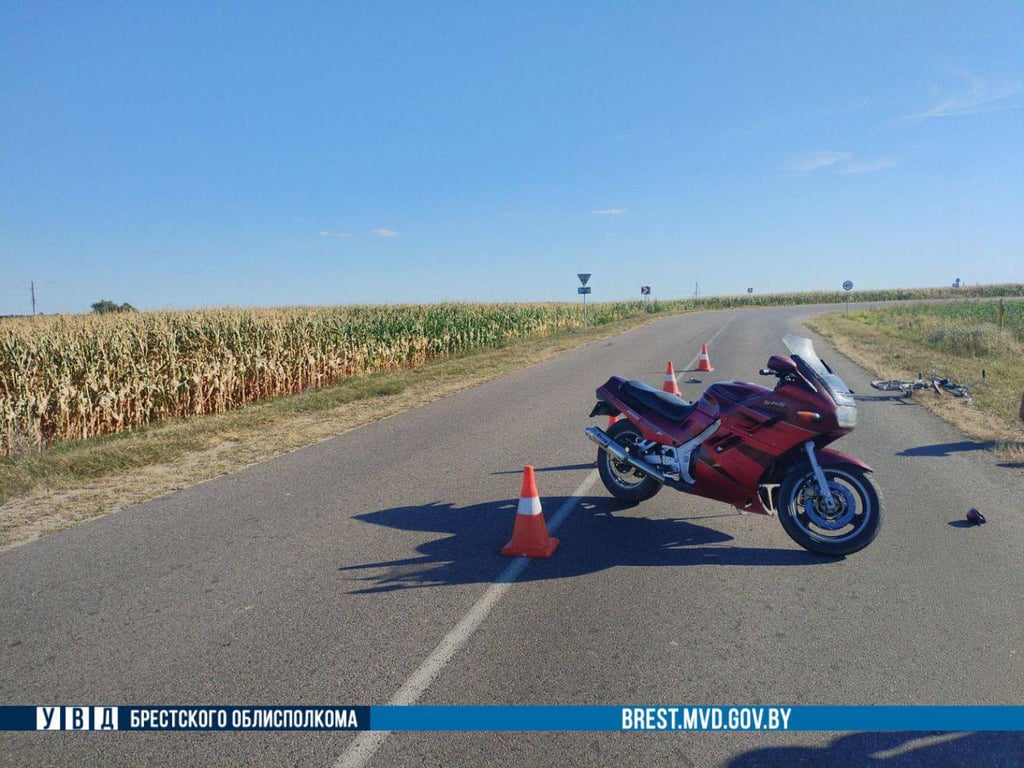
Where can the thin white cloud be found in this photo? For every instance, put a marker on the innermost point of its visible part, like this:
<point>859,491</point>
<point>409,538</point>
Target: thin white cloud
<point>870,166</point>
<point>837,162</point>
<point>335,234</point>
<point>610,212</point>
<point>809,162</point>
<point>382,232</point>
<point>976,96</point>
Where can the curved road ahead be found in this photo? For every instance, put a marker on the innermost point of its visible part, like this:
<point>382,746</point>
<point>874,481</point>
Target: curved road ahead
<point>331,575</point>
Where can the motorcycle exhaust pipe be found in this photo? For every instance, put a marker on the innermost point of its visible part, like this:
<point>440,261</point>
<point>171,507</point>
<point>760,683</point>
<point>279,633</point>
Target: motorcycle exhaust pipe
<point>599,436</point>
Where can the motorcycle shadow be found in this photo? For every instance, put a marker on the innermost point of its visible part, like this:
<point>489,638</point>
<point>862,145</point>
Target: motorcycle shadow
<point>600,534</point>
<point>895,750</point>
<point>945,449</point>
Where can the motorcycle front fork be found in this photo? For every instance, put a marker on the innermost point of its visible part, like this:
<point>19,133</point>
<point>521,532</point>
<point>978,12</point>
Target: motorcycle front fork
<point>819,476</point>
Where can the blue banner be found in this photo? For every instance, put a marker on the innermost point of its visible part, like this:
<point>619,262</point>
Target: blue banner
<point>698,718</point>
<point>511,718</point>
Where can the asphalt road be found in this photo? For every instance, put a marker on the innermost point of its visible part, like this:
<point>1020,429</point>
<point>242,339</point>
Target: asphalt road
<point>330,576</point>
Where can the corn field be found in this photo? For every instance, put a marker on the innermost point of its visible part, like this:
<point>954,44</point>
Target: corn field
<point>75,377</point>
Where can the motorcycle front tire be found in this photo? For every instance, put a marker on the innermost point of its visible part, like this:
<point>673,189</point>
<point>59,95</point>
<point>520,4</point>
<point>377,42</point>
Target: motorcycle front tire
<point>850,527</point>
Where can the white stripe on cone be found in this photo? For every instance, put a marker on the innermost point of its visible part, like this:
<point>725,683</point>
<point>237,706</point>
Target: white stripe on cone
<point>529,506</point>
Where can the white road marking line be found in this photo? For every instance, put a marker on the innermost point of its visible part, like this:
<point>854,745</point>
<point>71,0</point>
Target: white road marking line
<point>367,743</point>
<point>914,744</point>
<point>690,365</point>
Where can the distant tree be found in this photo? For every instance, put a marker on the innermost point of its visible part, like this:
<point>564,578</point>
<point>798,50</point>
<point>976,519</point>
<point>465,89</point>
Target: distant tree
<point>104,307</point>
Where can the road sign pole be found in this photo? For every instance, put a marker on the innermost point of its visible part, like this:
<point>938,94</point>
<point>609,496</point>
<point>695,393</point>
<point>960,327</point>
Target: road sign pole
<point>583,290</point>
<point>848,286</point>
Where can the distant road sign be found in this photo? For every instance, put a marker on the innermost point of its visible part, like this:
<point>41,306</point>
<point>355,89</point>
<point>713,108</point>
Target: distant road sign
<point>645,290</point>
<point>583,276</point>
<point>582,290</point>
<point>848,285</point>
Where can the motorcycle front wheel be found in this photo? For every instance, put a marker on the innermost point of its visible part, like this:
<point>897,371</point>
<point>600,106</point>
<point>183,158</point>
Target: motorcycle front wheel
<point>850,525</point>
<point>622,480</point>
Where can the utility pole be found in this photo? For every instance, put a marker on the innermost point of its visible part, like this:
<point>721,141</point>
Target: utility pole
<point>32,288</point>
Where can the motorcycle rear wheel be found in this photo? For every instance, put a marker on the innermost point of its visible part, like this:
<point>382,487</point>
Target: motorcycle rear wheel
<point>850,526</point>
<point>622,480</point>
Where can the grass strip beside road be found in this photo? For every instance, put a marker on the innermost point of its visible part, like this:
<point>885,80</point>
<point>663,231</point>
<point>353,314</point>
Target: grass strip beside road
<point>902,342</point>
<point>76,481</point>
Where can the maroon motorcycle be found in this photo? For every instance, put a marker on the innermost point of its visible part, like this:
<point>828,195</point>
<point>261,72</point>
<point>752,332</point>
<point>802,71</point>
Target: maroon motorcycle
<point>761,450</point>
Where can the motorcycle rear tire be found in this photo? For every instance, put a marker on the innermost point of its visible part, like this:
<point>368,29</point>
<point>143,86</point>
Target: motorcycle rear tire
<point>622,480</point>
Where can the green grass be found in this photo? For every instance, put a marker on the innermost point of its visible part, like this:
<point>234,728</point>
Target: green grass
<point>971,329</point>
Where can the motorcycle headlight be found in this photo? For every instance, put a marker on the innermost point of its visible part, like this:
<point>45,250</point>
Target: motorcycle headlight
<point>846,415</point>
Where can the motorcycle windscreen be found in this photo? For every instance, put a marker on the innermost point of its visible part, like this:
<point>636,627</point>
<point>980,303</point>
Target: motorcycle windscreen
<point>804,349</point>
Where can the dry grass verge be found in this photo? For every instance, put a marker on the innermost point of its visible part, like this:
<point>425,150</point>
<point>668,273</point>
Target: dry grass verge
<point>879,343</point>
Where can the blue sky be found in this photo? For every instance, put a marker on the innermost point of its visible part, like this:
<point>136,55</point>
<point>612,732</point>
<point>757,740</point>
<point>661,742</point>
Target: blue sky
<point>195,154</point>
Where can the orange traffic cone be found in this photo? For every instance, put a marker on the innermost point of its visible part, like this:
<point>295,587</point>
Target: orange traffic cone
<point>705,361</point>
<point>671,385</point>
<point>530,535</point>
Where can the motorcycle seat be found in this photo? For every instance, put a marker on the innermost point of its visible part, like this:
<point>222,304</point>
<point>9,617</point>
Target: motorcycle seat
<point>643,396</point>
